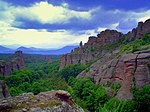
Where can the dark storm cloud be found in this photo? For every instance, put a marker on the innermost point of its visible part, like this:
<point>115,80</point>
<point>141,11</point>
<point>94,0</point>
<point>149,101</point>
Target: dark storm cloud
<point>87,4</point>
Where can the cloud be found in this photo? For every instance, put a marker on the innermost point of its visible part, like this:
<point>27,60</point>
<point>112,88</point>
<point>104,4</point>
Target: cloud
<point>127,5</point>
<point>99,18</point>
<point>40,38</point>
<point>43,24</point>
<point>43,15</point>
<point>66,5</point>
<point>41,12</point>
<point>44,12</point>
<point>127,25</point>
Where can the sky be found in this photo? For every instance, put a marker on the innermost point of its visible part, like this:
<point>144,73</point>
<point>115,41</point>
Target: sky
<point>59,23</point>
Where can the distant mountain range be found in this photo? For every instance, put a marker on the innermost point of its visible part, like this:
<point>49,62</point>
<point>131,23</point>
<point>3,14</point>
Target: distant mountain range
<point>33,50</point>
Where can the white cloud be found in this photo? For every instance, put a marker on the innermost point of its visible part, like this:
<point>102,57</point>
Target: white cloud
<point>142,16</point>
<point>44,12</point>
<point>42,38</point>
<point>47,13</point>
<point>66,5</point>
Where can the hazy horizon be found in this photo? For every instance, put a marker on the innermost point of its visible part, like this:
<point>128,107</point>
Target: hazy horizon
<point>49,48</point>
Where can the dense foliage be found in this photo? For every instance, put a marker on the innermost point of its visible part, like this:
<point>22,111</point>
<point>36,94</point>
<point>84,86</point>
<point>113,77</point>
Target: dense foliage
<point>87,94</point>
<point>37,77</point>
<point>140,103</point>
<point>48,68</point>
<point>71,71</point>
<point>142,99</point>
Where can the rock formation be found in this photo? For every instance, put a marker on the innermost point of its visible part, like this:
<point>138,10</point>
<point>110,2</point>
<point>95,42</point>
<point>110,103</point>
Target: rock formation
<point>48,58</point>
<point>16,63</point>
<point>129,70</point>
<point>4,92</point>
<point>84,54</point>
<point>110,66</point>
<point>52,101</point>
<point>141,29</point>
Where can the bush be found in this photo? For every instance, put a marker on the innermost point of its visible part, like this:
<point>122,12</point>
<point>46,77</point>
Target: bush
<point>137,44</point>
<point>146,39</point>
<point>123,40</point>
<point>71,70</point>
<point>87,94</point>
<point>15,91</point>
<point>142,99</point>
<point>115,105</point>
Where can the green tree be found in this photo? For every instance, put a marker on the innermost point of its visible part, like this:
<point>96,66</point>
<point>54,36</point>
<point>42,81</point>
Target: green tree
<point>71,70</point>
<point>36,88</point>
<point>87,94</point>
<point>15,91</point>
<point>24,86</point>
<point>142,99</point>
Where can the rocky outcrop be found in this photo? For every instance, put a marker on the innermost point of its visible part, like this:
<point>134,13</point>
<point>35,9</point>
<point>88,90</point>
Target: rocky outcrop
<point>84,54</point>
<point>128,70</point>
<point>4,92</point>
<point>95,47</point>
<point>108,36</point>
<point>19,59</point>
<point>15,63</point>
<point>52,101</point>
<point>48,58</point>
<point>141,29</point>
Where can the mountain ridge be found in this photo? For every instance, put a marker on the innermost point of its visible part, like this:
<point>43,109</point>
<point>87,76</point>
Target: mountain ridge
<point>33,50</point>
<point>83,54</point>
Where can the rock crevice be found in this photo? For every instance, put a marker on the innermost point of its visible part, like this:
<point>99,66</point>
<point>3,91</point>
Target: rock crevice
<point>129,70</point>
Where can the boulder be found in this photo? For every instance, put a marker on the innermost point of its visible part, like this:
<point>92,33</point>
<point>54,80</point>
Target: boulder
<point>51,101</point>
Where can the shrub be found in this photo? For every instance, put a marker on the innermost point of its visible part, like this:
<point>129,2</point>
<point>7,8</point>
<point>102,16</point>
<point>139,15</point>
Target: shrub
<point>87,94</point>
<point>142,99</point>
<point>71,70</point>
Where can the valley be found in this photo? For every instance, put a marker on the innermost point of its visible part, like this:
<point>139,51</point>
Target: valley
<point>109,73</point>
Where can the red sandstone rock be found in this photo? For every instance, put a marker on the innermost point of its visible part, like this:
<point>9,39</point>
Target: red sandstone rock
<point>84,54</point>
<point>17,63</point>
<point>129,70</point>
<point>4,92</point>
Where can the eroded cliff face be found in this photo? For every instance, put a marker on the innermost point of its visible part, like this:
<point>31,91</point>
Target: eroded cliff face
<point>4,92</point>
<point>91,50</point>
<point>95,47</point>
<point>51,101</point>
<point>128,70</point>
<point>114,68</point>
<point>16,63</point>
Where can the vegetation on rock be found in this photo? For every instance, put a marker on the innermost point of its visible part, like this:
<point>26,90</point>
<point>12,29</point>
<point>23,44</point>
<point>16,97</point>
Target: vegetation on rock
<point>137,45</point>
